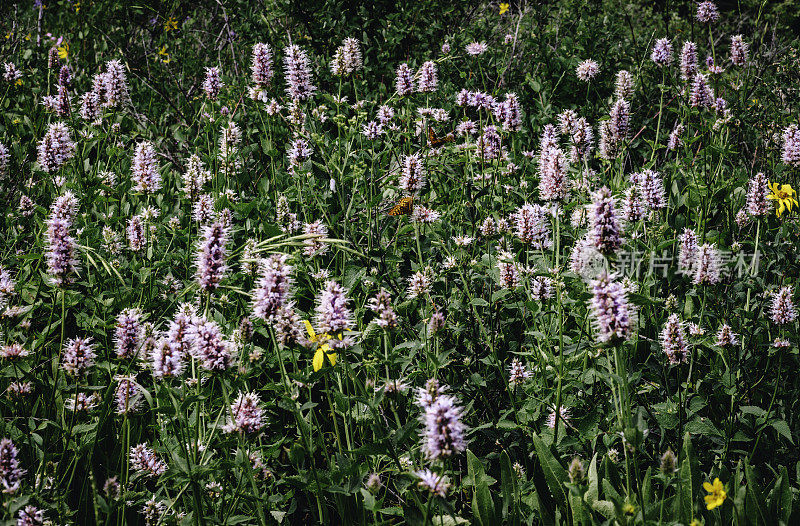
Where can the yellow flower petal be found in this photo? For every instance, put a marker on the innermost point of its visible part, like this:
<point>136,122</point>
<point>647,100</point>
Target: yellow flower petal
<point>708,487</point>
<point>503,8</point>
<point>319,360</point>
<point>311,334</point>
<point>332,358</point>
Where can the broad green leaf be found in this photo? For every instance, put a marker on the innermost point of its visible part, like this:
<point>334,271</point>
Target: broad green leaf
<point>554,473</point>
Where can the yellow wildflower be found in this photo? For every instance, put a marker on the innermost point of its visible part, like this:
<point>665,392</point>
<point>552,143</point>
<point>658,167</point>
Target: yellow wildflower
<point>503,8</point>
<point>784,195</point>
<point>322,350</point>
<point>716,494</point>
<point>18,82</point>
<point>170,24</point>
<point>164,55</point>
<point>63,50</point>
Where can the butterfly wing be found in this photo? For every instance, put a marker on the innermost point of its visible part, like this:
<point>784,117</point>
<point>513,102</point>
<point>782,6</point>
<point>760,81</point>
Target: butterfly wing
<point>403,207</point>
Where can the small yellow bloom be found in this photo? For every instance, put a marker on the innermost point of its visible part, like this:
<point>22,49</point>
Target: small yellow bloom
<point>784,195</point>
<point>16,121</point>
<point>170,24</point>
<point>18,82</point>
<point>716,494</point>
<point>695,522</point>
<point>323,350</point>
<point>63,50</point>
<point>163,53</point>
<point>503,8</point>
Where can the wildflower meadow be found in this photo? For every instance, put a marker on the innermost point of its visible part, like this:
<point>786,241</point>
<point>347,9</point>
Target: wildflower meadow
<point>418,262</point>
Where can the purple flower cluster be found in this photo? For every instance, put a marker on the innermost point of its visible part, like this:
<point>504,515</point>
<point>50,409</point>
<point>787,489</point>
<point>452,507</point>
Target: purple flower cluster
<point>273,287</point>
<point>404,84</point>
<point>726,337</point>
<point>78,356</point>
<point>427,79</point>
<point>688,61</point>
<point>554,183</point>
<point>624,85</point>
<point>128,395</point>
<point>333,317</point>
<point>610,309</point>
<point>246,415</point>
<point>650,186</point>
<point>144,169</point>
<point>61,261</point>
<point>489,144</point>
<point>444,431</point>
<point>211,266</point>
<point>518,373</point>
<point>10,472</point>
<point>782,310</point>
<point>757,192</point>
<point>739,51</point>
<point>508,113</point>
<point>55,148</point>
<point>212,84</point>
<point>687,250</point>
<point>128,333</point>
<point>145,461</point>
<point>412,179</point>
<point>347,58</point>
<point>587,70</point>
<point>707,12</point>
<point>673,340</point>
<point>114,89</point>
<point>210,346</point>
<point>297,69</point>
<point>662,52</point>
<point>706,265</point>
<point>317,231</point>
<point>701,95</point>
<point>381,305</point>
<point>791,145</point>
<point>262,68</point>
<point>604,228</point>
<point>508,271</point>
<point>432,482</point>
<point>531,225</point>
<point>615,130</point>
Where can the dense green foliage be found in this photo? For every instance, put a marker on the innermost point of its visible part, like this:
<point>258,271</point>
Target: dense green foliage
<point>727,411</point>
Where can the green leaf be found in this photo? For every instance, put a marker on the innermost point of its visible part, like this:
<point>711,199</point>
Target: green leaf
<point>554,473</point>
<point>783,429</point>
<point>508,485</point>
<point>593,493</point>
<point>482,505</point>
<point>754,500</point>
<point>683,502</point>
<point>783,497</point>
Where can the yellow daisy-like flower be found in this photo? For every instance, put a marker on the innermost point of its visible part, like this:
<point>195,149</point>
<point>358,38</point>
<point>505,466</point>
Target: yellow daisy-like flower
<point>170,24</point>
<point>695,522</point>
<point>323,350</point>
<point>503,8</point>
<point>18,82</point>
<point>716,494</point>
<point>784,197</point>
<point>63,50</point>
<point>164,55</point>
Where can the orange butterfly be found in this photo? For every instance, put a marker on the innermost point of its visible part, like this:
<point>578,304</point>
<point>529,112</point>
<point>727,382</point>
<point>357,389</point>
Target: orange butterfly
<point>403,207</point>
<point>434,141</point>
